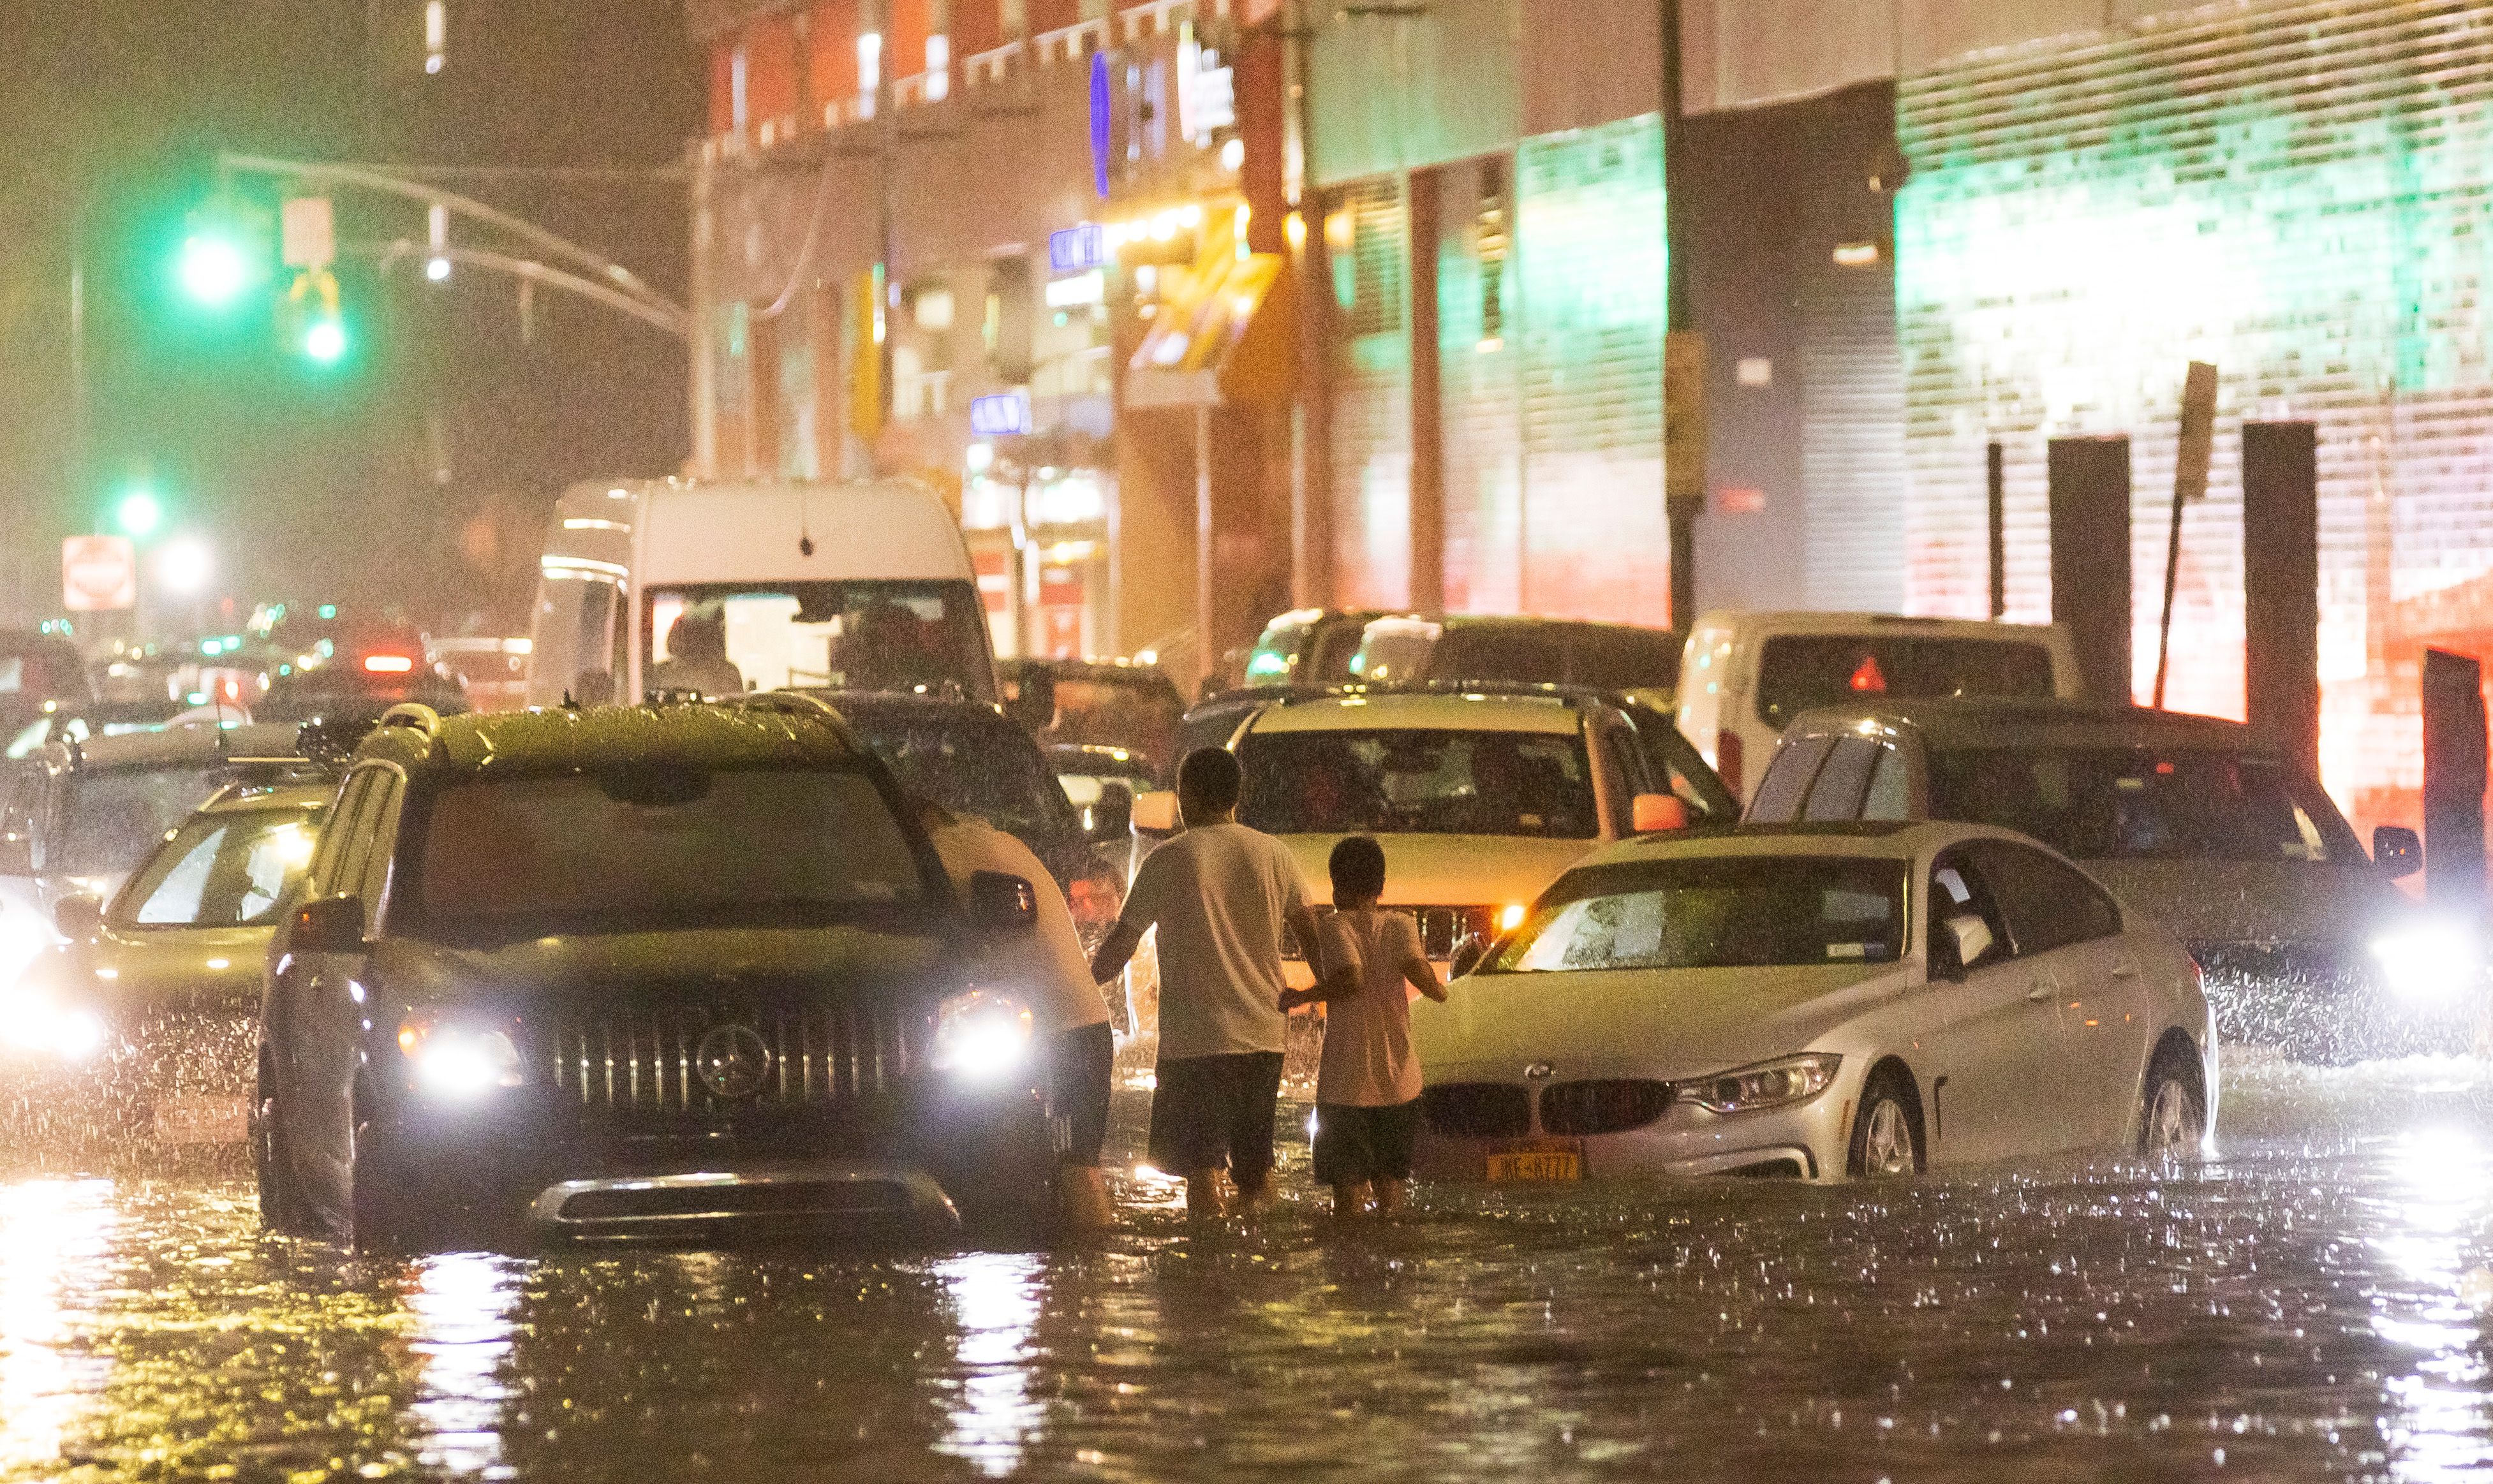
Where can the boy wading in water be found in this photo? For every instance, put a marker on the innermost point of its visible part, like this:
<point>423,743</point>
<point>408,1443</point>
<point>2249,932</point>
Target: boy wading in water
<point>1368,1088</point>
<point>1219,894</point>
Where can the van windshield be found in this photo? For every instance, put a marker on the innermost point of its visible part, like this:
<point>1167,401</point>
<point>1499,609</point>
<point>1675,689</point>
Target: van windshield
<point>1801,670</point>
<point>661,847</point>
<point>725,638</point>
<point>2142,804</point>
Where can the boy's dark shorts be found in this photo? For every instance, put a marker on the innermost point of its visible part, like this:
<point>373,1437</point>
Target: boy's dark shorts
<point>1077,1092</point>
<point>1354,1144</point>
<point>1214,1111</point>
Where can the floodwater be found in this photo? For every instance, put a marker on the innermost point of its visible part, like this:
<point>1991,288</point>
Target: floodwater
<point>2314,1304</point>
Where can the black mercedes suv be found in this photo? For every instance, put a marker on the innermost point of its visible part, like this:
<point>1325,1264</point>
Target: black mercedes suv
<point>679,972</point>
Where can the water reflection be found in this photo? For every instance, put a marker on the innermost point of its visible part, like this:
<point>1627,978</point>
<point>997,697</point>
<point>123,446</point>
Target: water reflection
<point>52,1236</point>
<point>462,1306</point>
<point>994,1299</point>
<point>2443,1182</point>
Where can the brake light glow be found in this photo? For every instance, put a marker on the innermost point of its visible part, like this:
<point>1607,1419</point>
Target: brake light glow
<point>388,664</point>
<point>1868,678</point>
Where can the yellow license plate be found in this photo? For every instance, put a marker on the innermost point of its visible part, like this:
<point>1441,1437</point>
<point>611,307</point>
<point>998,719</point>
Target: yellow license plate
<point>1537,1164</point>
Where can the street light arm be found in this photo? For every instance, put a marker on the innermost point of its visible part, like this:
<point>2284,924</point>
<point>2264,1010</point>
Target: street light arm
<point>379,178</point>
<point>665,316</point>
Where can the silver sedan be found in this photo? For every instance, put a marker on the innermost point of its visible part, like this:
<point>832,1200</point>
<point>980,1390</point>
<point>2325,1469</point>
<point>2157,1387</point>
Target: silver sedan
<point>1817,1001</point>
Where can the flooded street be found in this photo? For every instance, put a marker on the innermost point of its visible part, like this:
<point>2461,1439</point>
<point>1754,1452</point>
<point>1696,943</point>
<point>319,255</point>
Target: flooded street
<point>2313,1305</point>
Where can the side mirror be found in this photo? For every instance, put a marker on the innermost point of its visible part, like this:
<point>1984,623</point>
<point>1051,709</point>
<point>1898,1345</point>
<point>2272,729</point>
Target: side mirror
<point>78,916</point>
<point>2397,850</point>
<point>329,925</point>
<point>1659,813</point>
<point>1965,942</point>
<point>1003,903</point>
<point>1112,813</point>
<point>1467,956</point>
<point>1155,812</point>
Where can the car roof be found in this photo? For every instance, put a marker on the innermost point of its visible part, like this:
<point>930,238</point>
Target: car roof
<point>905,704</point>
<point>173,747</point>
<point>762,732</point>
<point>2039,721</point>
<point>1871,839</point>
<point>1814,621</point>
<point>1447,711</point>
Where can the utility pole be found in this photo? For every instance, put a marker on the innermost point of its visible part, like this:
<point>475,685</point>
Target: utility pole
<point>1683,358</point>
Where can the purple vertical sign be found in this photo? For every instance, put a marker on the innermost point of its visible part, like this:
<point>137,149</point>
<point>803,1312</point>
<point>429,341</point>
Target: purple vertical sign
<point>1101,121</point>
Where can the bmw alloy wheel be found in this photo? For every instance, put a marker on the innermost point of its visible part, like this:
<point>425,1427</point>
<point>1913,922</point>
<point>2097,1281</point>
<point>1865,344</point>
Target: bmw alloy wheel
<point>1887,1143</point>
<point>2172,1128</point>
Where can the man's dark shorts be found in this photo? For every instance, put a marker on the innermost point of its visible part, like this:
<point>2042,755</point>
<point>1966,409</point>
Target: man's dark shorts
<point>1077,1092</point>
<point>1356,1145</point>
<point>1214,1111</point>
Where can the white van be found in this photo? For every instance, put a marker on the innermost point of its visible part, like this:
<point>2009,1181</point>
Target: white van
<point>1745,675</point>
<point>661,584</point>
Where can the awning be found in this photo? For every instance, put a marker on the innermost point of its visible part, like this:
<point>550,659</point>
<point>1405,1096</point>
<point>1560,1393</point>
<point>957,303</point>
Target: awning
<point>1223,334</point>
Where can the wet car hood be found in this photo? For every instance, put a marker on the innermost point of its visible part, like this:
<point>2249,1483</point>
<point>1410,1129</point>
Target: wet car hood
<point>1448,869</point>
<point>2255,902</point>
<point>1664,1023</point>
<point>124,974</point>
<point>572,965</point>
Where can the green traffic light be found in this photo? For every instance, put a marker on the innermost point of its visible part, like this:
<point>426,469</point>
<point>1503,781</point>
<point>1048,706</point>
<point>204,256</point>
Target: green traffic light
<point>138,514</point>
<point>325,341</point>
<point>213,270</point>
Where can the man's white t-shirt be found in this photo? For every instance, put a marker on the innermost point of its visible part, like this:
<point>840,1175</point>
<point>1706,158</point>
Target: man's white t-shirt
<point>1218,895</point>
<point>1367,1060</point>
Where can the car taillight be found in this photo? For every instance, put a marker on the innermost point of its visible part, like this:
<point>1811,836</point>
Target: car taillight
<point>1095,899</point>
<point>388,664</point>
<point>1728,760</point>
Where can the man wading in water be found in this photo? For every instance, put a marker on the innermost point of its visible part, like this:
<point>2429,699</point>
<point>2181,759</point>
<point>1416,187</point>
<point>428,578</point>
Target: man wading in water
<point>1219,894</point>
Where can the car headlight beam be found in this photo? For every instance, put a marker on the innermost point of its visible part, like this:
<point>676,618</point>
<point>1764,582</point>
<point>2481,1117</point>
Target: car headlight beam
<point>981,1035</point>
<point>459,1064</point>
<point>2433,961</point>
<point>1777,1084</point>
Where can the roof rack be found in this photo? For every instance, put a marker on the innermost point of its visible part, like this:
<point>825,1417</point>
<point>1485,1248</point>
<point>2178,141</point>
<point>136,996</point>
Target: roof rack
<point>1547,690</point>
<point>411,714</point>
<point>785,703</point>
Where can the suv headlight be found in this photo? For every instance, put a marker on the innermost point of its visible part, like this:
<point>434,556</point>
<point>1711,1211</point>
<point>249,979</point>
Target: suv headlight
<point>458,1061</point>
<point>2429,962</point>
<point>1767,1084</point>
<point>981,1035</point>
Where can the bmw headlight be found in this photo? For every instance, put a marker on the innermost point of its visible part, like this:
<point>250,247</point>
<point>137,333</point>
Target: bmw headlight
<point>459,1062</point>
<point>2431,961</point>
<point>981,1035</point>
<point>1767,1084</point>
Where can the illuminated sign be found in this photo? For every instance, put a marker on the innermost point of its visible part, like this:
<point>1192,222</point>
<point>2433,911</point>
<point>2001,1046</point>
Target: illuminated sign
<point>999,414</point>
<point>1078,249</point>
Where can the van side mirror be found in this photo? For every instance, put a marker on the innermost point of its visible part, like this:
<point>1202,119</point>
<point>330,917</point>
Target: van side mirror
<point>1002,902</point>
<point>1961,944</point>
<point>1659,813</point>
<point>2397,850</point>
<point>1467,956</point>
<point>329,925</point>
<point>1155,812</point>
<point>80,916</point>
<point>1112,813</point>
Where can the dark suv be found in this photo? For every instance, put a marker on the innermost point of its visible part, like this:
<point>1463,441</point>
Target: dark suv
<point>678,972</point>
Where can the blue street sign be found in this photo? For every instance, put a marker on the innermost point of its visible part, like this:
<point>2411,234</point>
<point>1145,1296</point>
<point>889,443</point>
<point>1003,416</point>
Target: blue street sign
<point>1078,249</point>
<point>999,414</point>
<point>1103,117</point>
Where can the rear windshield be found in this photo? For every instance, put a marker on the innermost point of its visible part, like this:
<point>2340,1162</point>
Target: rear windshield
<point>657,849</point>
<point>222,869</point>
<point>114,818</point>
<point>1735,912</point>
<point>1277,652</point>
<point>990,771</point>
<point>1418,780</point>
<point>2141,804</point>
<point>1798,671</point>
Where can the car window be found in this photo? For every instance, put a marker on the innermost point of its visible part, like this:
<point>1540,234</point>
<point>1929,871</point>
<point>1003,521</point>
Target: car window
<point>1622,772</point>
<point>329,862</point>
<point>1725,912</point>
<point>1672,766</point>
<point>2046,904</point>
<point>1796,671</point>
<point>1425,780</point>
<point>387,792</point>
<point>987,768</point>
<point>1786,781</point>
<point>2120,803</point>
<point>1499,652</point>
<point>1957,890</point>
<point>223,870</point>
<point>865,635</point>
<point>1890,795</point>
<point>652,848</point>
<point>1842,780</point>
<point>1624,660</point>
